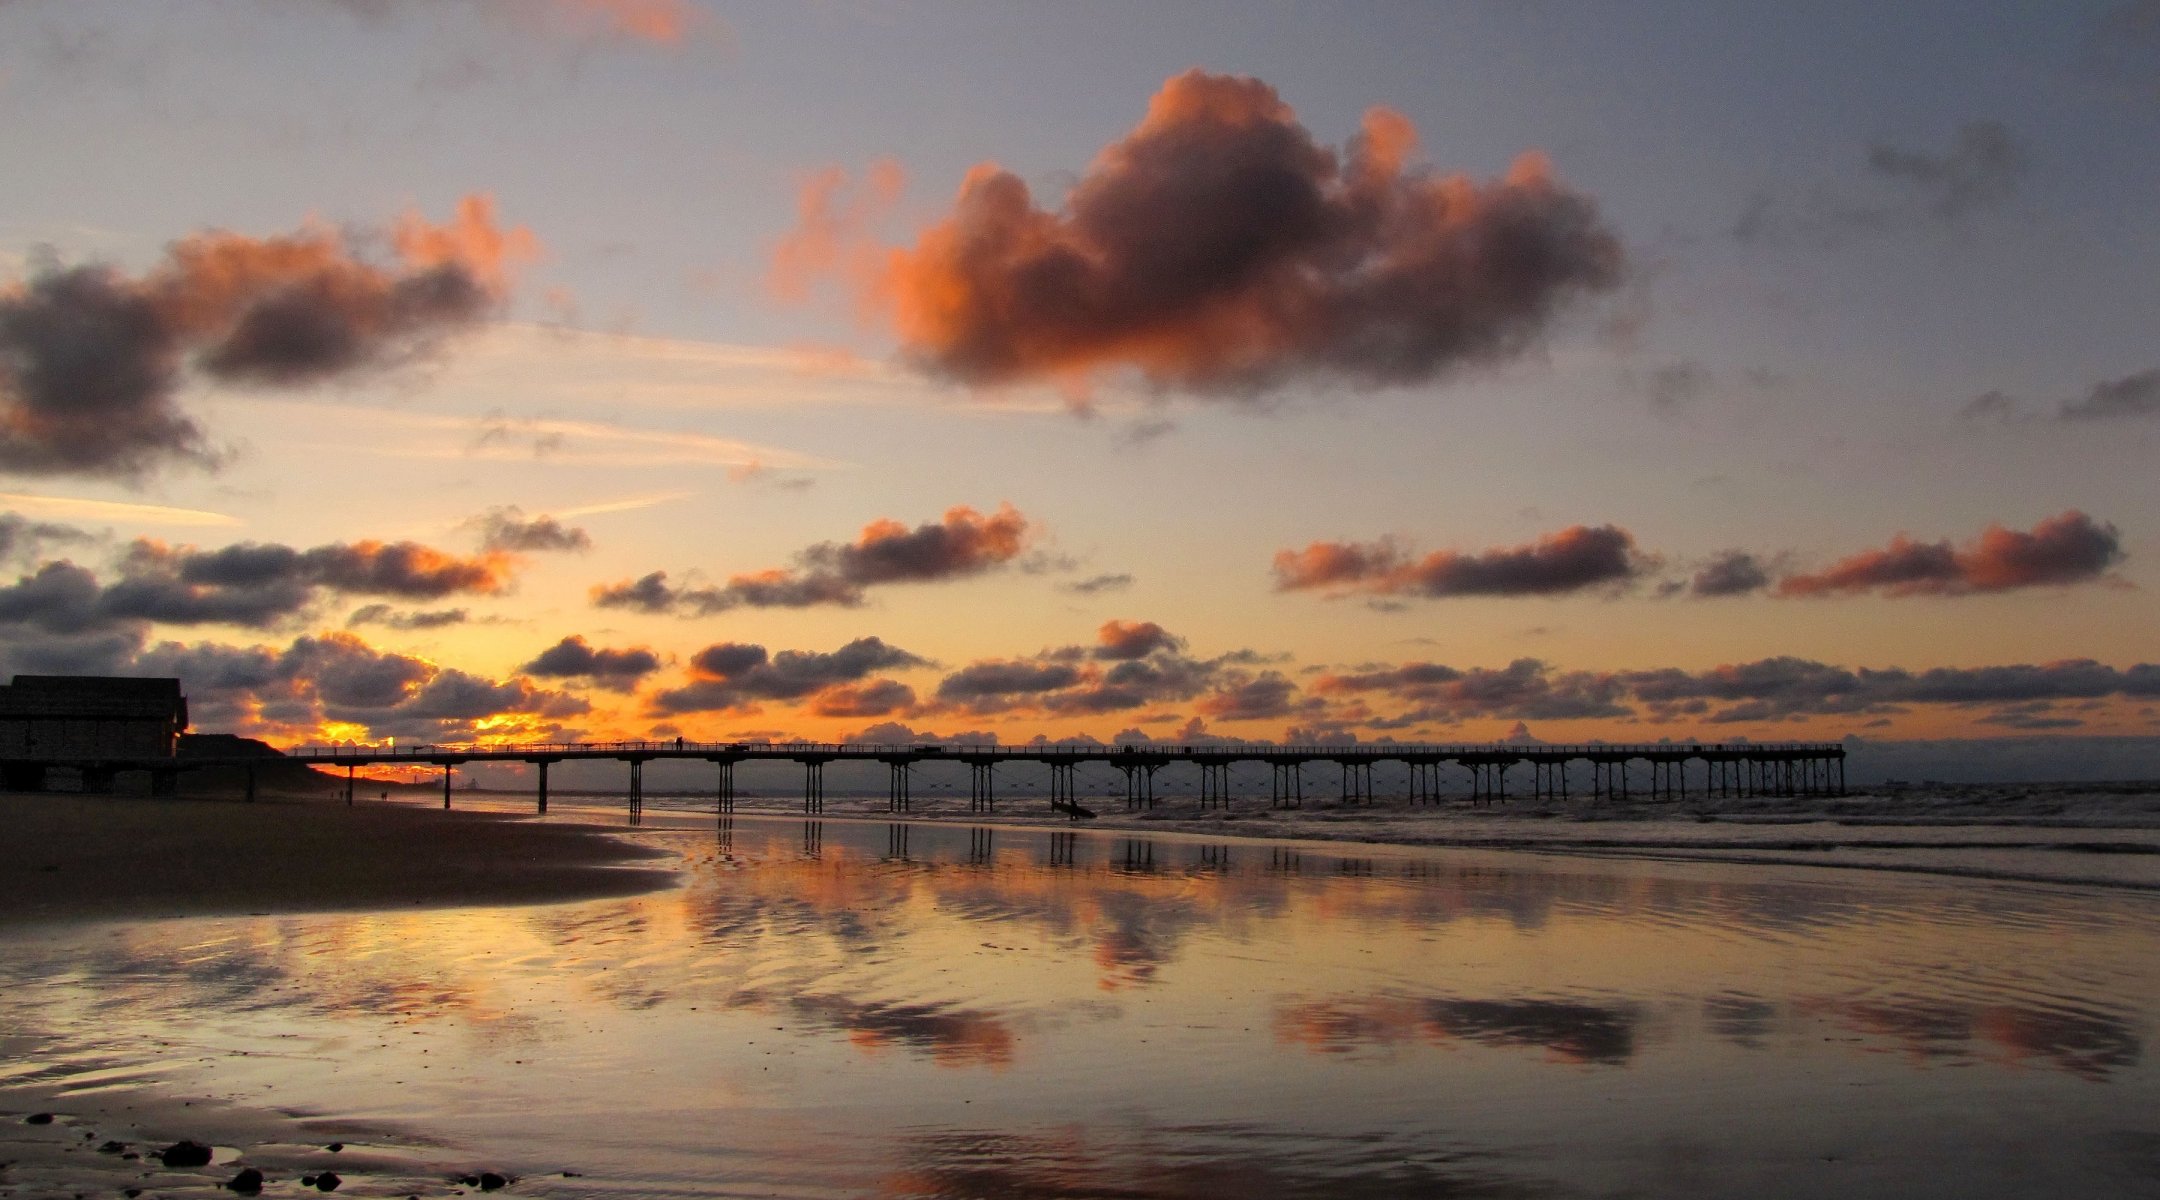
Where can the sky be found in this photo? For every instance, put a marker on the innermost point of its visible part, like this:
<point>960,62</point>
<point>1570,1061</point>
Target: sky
<point>511,370</point>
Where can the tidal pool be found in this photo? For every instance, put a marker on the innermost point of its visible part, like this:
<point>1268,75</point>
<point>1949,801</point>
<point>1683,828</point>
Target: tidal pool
<point>857,1008</point>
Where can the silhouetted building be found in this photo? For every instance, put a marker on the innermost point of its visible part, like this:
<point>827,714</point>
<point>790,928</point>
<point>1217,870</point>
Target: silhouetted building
<point>98,723</point>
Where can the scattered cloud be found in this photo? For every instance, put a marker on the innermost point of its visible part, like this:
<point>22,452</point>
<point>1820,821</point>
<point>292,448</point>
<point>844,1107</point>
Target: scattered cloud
<point>338,678</point>
<point>2071,548</point>
<point>1767,690</point>
<point>1526,689</point>
<point>2136,395</point>
<point>574,658</point>
<point>656,22</point>
<point>1729,573</point>
<point>875,698</point>
<point>254,584</point>
<point>735,676</point>
<point>2126,398</point>
<point>1218,248</point>
<point>506,530</point>
<point>1672,387</point>
<point>1909,189</point>
<point>1097,585</point>
<point>963,543</point>
<point>1133,665</point>
<point>92,361</point>
<point>24,540</point>
<point>833,234</point>
<point>1122,641</point>
<point>392,618</point>
<point>1574,559</point>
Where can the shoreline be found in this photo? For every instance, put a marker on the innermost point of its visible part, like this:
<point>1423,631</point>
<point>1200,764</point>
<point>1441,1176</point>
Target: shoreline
<point>2097,850</point>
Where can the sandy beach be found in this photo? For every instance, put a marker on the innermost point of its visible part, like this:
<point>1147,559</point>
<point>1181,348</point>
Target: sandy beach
<point>69,857</point>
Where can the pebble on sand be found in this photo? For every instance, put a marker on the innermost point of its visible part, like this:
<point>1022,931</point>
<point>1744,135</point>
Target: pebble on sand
<point>248,1182</point>
<point>185,1153</point>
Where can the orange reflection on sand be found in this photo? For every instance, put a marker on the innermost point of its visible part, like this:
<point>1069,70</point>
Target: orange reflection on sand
<point>2090,1045</point>
<point>1568,1031</point>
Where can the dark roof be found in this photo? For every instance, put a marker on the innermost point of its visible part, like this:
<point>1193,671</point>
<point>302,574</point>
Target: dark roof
<point>92,696</point>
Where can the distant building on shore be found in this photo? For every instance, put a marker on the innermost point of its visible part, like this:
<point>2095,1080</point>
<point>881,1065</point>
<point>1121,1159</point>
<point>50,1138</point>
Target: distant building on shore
<point>100,723</point>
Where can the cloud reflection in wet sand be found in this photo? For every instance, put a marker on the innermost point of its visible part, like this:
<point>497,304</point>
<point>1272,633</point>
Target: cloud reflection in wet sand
<point>2079,1041</point>
<point>1568,1031</point>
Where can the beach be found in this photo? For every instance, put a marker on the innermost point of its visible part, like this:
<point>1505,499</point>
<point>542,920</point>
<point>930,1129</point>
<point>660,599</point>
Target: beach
<point>71,857</point>
<point>1160,1005</point>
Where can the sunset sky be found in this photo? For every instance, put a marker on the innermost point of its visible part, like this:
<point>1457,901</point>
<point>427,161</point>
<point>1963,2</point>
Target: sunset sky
<point>575,369</point>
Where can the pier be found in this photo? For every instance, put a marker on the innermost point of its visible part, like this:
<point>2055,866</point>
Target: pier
<point>1481,773</point>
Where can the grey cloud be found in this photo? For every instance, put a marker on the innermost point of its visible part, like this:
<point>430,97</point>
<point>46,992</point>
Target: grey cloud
<point>391,618</point>
<point>2136,395</point>
<point>962,543</point>
<point>1729,573</point>
<point>1574,559</point>
<point>1981,169</point>
<point>1915,189</point>
<point>1097,585</point>
<point>508,530</point>
<point>338,677</point>
<point>731,675</point>
<point>92,361</point>
<point>575,658</point>
<point>24,539</point>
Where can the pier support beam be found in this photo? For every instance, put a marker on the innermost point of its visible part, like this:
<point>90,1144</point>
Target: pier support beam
<point>1063,783</point>
<point>540,797</point>
<point>1214,785</point>
<point>1356,783</point>
<point>1139,785</point>
<point>448,769</point>
<point>899,800</point>
<point>982,796</point>
<point>813,786</point>
<point>348,784</point>
<point>724,787</point>
<point>1287,788</point>
<point>637,788</point>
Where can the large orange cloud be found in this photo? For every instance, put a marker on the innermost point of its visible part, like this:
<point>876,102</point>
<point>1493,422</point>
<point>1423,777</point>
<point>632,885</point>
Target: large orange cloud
<point>2065,549</point>
<point>1218,247</point>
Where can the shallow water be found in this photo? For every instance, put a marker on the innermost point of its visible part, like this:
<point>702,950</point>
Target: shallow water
<point>857,1008</point>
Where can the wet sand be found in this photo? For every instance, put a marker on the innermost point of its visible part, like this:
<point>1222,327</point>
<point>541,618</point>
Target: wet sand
<point>71,858</point>
<point>753,973</point>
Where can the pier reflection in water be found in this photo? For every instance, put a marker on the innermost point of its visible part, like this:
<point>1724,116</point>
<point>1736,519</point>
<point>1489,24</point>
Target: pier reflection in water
<point>849,1008</point>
